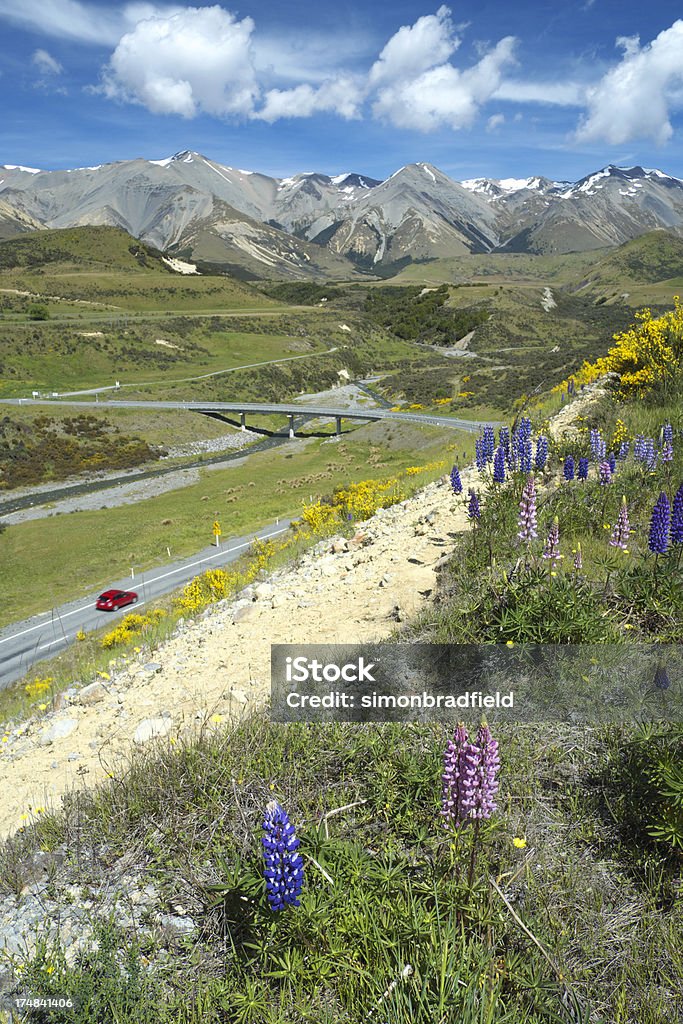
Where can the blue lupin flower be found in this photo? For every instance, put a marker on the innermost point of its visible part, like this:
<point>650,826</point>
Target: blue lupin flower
<point>598,445</point>
<point>582,471</point>
<point>568,470</point>
<point>473,508</point>
<point>623,451</point>
<point>658,540</point>
<point>612,462</point>
<point>455,480</point>
<point>480,453</point>
<point>650,453</point>
<point>667,434</point>
<point>504,440</point>
<point>541,451</point>
<point>639,447</point>
<point>525,455</point>
<point>677,517</point>
<point>489,442</point>
<point>499,466</point>
<point>283,867</point>
<point>662,681</point>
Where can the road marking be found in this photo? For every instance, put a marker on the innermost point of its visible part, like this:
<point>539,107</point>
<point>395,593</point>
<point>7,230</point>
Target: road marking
<point>145,582</point>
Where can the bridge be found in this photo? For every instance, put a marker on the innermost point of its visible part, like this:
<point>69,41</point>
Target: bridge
<point>291,411</point>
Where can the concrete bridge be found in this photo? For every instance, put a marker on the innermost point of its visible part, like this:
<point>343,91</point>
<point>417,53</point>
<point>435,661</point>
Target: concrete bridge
<point>268,408</point>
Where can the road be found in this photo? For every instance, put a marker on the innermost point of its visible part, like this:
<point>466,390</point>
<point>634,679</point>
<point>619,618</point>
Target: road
<point>24,643</point>
<point>269,408</point>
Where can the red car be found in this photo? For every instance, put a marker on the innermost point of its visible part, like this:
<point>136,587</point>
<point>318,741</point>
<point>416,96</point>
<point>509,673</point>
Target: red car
<point>110,600</point>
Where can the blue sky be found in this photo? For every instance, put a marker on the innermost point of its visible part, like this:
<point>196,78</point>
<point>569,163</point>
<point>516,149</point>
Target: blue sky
<point>488,89</point>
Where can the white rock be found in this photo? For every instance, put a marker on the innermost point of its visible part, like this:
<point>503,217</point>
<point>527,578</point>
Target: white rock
<point>92,693</point>
<point>151,727</point>
<point>59,730</point>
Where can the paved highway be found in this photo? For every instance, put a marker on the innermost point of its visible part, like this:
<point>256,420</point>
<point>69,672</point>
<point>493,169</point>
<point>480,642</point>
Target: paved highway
<point>471,426</point>
<point>25,643</point>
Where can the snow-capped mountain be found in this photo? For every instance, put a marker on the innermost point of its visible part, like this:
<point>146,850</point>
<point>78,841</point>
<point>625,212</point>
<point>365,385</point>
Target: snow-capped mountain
<point>314,222</point>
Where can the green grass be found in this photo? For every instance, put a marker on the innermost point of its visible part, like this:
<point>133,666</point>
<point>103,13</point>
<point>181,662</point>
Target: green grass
<point>581,929</point>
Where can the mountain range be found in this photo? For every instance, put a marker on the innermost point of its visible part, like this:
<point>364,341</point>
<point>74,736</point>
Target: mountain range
<point>316,225</point>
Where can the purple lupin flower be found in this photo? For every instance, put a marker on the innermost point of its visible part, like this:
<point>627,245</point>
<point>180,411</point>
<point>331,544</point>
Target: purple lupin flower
<point>456,483</point>
<point>283,867</point>
<point>541,451</point>
<point>459,766</point>
<point>568,469</point>
<point>677,517</point>
<point>639,447</point>
<point>504,440</point>
<point>486,782</point>
<point>666,454</point>
<point>578,558</point>
<point>622,528</point>
<point>473,508</point>
<point>499,466</point>
<point>612,463</point>
<point>667,434</point>
<point>658,541</point>
<point>552,544</point>
<point>623,451</point>
<point>582,471</point>
<point>649,453</point>
<point>605,474</point>
<point>527,510</point>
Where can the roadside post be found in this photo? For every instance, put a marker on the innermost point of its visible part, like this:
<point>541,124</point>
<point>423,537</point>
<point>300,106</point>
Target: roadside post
<point>217,532</point>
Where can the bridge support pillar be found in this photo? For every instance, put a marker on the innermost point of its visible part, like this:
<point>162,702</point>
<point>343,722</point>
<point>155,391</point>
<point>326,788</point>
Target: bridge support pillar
<point>338,420</point>
<point>243,421</point>
<point>291,425</point>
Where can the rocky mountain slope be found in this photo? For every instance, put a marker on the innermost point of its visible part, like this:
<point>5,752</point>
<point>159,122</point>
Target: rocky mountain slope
<point>315,225</point>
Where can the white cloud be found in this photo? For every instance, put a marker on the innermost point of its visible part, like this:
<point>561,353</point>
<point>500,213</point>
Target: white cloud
<point>563,94</point>
<point>444,95</point>
<point>46,63</point>
<point>194,60</point>
<point>634,99</point>
<point>67,19</point>
<point>339,95</point>
<point>494,122</point>
<point>416,48</point>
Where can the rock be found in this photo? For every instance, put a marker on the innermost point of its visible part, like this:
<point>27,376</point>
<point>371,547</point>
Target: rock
<point>93,693</point>
<point>386,579</point>
<point>152,666</point>
<point>239,696</point>
<point>441,563</point>
<point>151,728</point>
<point>279,601</point>
<point>59,730</point>
<point>174,925</point>
<point>242,613</point>
<point>73,756</point>
<point>339,545</point>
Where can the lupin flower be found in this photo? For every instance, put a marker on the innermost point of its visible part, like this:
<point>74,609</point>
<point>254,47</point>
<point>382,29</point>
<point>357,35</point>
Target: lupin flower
<point>480,454</point>
<point>612,463</point>
<point>470,777</point>
<point>578,558</point>
<point>499,466</point>
<point>677,517</point>
<point>650,454</point>
<point>283,866</point>
<point>456,483</point>
<point>598,445</point>
<point>486,783</point>
<point>622,527</point>
<point>541,451</point>
<point>662,681</point>
<point>489,442</point>
<point>504,440</point>
<point>623,451</point>
<point>568,470</point>
<point>473,508</point>
<point>582,471</point>
<point>639,447</point>
<point>605,474</point>
<point>667,434</point>
<point>666,453</point>
<point>552,544</point>
<point>658,541</point>
<point>459,764</point>
<point>525,454</point>
<point>527,510</point>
